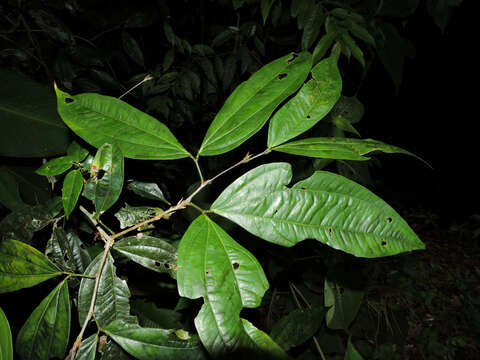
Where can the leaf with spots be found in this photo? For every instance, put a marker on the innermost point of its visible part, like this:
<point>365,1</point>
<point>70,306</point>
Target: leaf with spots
<point>23,266</point>
<point>314,100</point>
<point>326,206</point>
<point>250,105</point>
<point>154,253</point>
<point>213,266</point>
<point>46,332</point>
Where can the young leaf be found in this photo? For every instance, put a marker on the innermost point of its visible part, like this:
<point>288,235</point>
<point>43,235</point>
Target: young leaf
<point>314,100</point>
<point>99,119</point>
<point>153,344</point>
<point>327,207</point>
<point>71,190</point>
<point>23,266</point>
<point>88,349</point>
<point>46,332</point>
<point>112,296</point>
<point>108,182</point>
<point>228,277</point>
<point>56,166</point>
<point>76,152</point>
<point>339,148</point>
<point>343,304</point>
<point>154,253</point>
<point>6,348</point>
<point>252,102</point>
<point>297,327</point>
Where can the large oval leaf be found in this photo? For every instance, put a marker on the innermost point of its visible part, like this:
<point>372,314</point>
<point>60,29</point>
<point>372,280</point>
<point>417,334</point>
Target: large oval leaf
<point>99,119</point>
<point>153,344</point>
<point>46,332</point>
<point>22,266</point>
<point>326,207</point>
<point>339,148</point>
<point>228,277</point>
<point>314,100</point>
<point>153,253</point>
<point>253,101</point>
<point>113,295</point>
<point>29,125</point>
<point>6,348</point>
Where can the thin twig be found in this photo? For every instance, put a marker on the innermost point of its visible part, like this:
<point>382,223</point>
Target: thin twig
<point>145,79</point>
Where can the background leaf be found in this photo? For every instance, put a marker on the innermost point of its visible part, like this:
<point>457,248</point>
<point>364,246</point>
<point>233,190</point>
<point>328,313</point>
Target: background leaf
<point>252,102</point>
<point>23,266</point>
<point>151,316</point>
<point>46,332</point>
<point>6,347</point>
<point>147,190</point>
<point>352,353</point>
<point>326,207</point>
<point>30,126</point>
<point>343,303</point>
<point>9,192</point>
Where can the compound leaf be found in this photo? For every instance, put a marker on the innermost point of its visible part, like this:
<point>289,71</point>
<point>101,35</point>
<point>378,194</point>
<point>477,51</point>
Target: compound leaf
<point>252,102</point>
<point>100,119</point>
<point>328,207</point>
<point>23,266</point>
<point>314,100</point>
<point>46,332</point>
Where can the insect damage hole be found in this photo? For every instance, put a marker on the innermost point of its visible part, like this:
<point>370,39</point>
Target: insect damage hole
<point>282,75</point>
<point>158,264</point>
<point>389,219</point>
<point>330,231</point>
<point>294,56</point>
<point>69,100</point>
<point>308,116</point>
<point>235,265</point>
<point>383,243</point>
<point>100,174</point>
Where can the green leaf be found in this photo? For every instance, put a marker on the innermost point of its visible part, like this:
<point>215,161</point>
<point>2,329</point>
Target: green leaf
<point>339,148</point>
<point>132,215</point>
<point>440,11</point>
<point>112,296</point>
<point>357,53</point>
<point>67,251</point>
<point>33,188</point>
<point>343,124</point>
<point>30,126</point>
<point>111,351</point>
<point>252,102</point>
<point>265,7</point>
<point>297,327</point>
<point>401,9</point>
<point>9,193</point>
<point>107,181</point>
<point>352,353</point>
<point>168,59</point>
<point>153,344</point>
<point>343,304</point>
<point>147,190</point>
<point>322,47</point>
<point>99,119</point>
<point>132,49</point>
<point>6,348</point>
<point>88,349</point>
<point>149,315</point>
<point>169,34</point>
<point>76,152</point>
<point>55,166</point>
<point>326,207</point>
<point>228,277</point>
<point>348,107</point>
<point>71,190</point>
<point>314,100</point>
<point>23,266</point>
<point>361,33</point>
<point>313,25</point>
<point>154,253</point>
<point>46,332</point>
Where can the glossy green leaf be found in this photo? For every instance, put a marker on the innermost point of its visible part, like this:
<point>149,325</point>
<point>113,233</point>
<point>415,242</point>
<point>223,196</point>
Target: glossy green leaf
<point>6,347</point>
<point>327,207</point>
<point>107,168</point>
<point>228,277</point>
<point>76,152</point>
<point>132,215</point>
<point>250,105</point>
<point>350,43</point>
<point>339,148</point>
<point>343,304</point>
<point>149,315</point>
<point>153,344</point>
<point>9,192</point>
<point>112,351</point>
<point>29,126</point>
<point>352,353</point>
<point>361,33</point>
<point>88,349</point>
<point>147,190</point>
<point>23,266</point>
<point>112,297</point>
<point>71,190</point>
<point>154,253</point>
<point>68,251</point>
<point>101,119</point>
<point>322,47</point>
<point>45,334</point>
<point>297,327</point>
<point>314,100</point>
<point>55,166</point>
<point>313,25</point>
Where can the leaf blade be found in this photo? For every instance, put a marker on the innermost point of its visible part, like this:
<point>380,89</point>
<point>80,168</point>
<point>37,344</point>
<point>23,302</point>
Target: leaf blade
<point>71,190</point>
<point>6,347</point>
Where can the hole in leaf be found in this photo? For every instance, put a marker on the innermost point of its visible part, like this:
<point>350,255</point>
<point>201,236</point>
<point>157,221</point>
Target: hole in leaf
<point>65,257</point>
<point>384,243</point>
<point>330,231</point>
<point>276,211</point>
<point>158,263</point>
<point>69,100</point>
<point>100,174</point>
<point>303,188</point>
<point>389,219</point>
<point>308,116</point>
<point>167,265</point>
<point>294,56</point>
<point>282,75</point>
<point>235,265</point>
<point>207,272</point>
